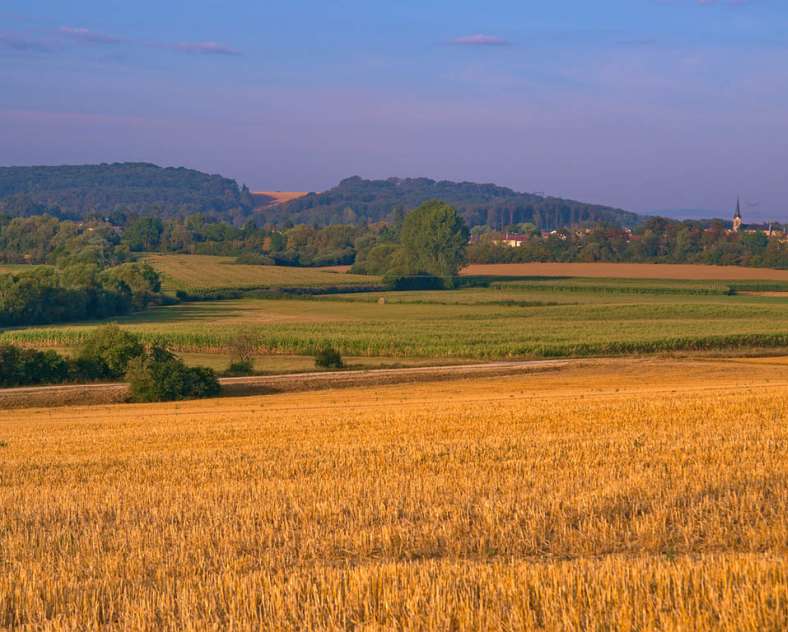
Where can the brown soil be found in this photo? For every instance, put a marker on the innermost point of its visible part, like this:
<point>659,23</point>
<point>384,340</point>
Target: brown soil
<point>628,271</point>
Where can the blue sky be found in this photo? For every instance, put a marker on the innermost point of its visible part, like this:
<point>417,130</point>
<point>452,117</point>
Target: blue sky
<point>643,104</point>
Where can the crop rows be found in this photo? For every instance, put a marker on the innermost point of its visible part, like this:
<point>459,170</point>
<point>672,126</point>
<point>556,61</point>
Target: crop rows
<point>308,344</point>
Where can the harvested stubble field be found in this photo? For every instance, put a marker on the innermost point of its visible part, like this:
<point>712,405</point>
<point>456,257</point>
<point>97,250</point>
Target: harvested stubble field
<point>623,495</point>
<point>199,273</point>
<point>529,318</point>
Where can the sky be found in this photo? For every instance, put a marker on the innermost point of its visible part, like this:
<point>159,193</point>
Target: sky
<point>648,105</point>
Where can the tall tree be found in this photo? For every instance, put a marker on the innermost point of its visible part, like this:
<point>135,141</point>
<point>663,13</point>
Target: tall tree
<point>434,239</point>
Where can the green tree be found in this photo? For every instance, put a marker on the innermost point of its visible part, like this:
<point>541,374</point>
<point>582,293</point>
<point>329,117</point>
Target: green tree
<point>111,349</point>
<point>144,233</point>
<point>434,239</point>
<point>159,376</point>
<point>141,279</point>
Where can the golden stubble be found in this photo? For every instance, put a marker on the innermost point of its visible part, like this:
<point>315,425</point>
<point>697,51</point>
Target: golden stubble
<point>588,500</point>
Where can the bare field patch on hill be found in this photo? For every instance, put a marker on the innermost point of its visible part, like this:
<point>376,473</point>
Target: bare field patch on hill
<point>643,495</point>
<point>278,197</point>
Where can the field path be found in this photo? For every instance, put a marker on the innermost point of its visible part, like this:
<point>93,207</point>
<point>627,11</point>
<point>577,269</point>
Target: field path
<point>68,394</point>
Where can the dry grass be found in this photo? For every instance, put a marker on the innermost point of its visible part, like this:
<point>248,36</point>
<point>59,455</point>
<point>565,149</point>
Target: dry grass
<point>619,496</point>
<point>628,271</point>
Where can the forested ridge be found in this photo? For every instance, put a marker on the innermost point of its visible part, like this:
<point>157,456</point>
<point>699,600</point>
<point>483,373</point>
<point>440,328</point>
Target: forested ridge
<point>358,200</point>
<point>121,189</point>
<point>81,191</point>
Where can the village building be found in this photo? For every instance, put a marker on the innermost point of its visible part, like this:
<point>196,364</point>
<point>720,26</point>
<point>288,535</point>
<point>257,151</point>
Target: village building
<point>513,240</point>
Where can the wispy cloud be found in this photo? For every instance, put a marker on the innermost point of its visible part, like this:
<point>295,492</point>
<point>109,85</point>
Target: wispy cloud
<point>637,42</point>
<point>705,3</point>
<point>23,44</point>
<point>87,36</point>
<point>58,40</point>
<point>480,39</point>
<point>205,48</point>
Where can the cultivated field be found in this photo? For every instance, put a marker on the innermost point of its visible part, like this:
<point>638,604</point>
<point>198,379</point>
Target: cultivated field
<point>197,273</point>
<point>628,271</point>
<point>519,319</point>
<point>623,495</point>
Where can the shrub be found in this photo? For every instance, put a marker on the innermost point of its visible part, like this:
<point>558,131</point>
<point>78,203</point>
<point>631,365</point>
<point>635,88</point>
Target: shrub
<point>406,282</point>
<point>240,368</point>
<point>242,347</point>
<point>328,358</point>
<point>159,376</point>
<point>254,259</point>
<point>86,370</point>
<point>109,350</point>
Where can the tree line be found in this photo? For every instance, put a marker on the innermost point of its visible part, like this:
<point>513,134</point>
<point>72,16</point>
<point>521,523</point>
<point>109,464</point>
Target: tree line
<point>658,240</point>
<point>43,239</point>
<point>77,292</point>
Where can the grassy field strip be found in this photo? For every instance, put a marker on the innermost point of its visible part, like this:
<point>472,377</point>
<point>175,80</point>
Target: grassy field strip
<point>504,322</point>
<point>447,505</point>
<point>591,324</point>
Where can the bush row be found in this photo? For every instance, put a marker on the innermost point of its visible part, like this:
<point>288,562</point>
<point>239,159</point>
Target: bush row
<point>153,372</point>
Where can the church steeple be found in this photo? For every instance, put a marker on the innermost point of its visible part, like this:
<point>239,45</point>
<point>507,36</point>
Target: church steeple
<point>737,220</point>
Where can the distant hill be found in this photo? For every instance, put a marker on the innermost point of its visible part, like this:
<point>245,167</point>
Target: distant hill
<point>356,199</point>
<point>80,190</point>
<point>85,190</point>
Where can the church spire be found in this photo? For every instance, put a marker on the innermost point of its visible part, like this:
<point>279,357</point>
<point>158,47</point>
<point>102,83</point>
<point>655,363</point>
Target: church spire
<point>737,220</point>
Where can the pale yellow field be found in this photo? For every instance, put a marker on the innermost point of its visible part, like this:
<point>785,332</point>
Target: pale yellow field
<point>205,272</point>
<point>279,197</point>
<point>619,495</point>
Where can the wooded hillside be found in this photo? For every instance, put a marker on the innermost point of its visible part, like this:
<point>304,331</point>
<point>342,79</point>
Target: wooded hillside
<point>78,191</point>
<point>356,199</point>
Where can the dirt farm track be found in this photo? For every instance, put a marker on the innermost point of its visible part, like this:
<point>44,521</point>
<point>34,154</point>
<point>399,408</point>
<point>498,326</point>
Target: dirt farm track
<point>86,394</point>
<point>628,271</point>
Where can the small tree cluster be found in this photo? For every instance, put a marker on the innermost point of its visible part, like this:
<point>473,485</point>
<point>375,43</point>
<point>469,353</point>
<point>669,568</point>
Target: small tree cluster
<point>111,353</point>
<point>22,367</point>
<point>76,292</point>
<point>109,350</point>
<point>328,358</point>
<point>158,376</point>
